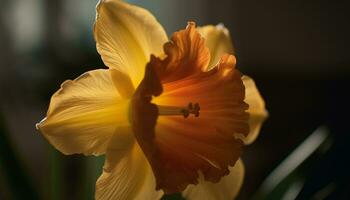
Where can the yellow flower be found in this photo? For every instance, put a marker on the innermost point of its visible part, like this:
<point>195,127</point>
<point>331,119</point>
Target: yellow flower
<point>167,116</point>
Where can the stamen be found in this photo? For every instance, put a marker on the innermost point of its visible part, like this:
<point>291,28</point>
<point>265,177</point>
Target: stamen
<point>185,111</point>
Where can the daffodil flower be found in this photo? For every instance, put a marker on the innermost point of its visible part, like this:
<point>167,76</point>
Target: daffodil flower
<point>169,115</point>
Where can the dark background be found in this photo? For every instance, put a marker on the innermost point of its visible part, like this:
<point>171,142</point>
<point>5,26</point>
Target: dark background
<point>297,52</point>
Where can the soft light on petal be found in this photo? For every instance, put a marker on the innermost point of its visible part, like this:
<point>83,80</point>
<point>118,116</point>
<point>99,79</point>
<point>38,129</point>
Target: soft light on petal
<point>126,35</point>
<point>84,113</point>
<point>126,173</point>
<point>257,111</point>
<point>218,40</point>
<point>123,83</point>
<point>227,188</point>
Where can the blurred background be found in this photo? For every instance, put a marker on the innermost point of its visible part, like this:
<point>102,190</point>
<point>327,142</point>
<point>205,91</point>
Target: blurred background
<point>297,51</point>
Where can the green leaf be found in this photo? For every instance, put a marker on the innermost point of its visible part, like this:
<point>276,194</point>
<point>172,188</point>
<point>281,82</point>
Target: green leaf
<point>287,179</point>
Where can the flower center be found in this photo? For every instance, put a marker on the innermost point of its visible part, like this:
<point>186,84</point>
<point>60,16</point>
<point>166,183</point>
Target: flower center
<point>174,110</point>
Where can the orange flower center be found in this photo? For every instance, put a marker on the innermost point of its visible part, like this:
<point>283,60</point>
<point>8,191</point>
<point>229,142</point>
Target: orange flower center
<point>180,148</point>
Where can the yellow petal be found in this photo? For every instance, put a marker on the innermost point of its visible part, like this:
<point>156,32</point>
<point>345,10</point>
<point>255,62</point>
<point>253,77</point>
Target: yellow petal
<point>123,83</point>
<point>126,173</point>
<point>84,113</point>
<point>257,111</point>
<point>126,36</point>
<point>227,188</point>
<point>218,40</point>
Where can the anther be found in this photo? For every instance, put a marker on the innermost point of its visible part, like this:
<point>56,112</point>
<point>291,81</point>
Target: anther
<point>186,111</point>
<point>191,109</point>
